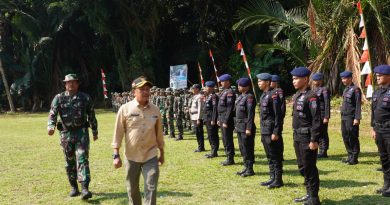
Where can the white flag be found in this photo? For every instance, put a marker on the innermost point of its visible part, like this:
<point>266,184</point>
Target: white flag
<point>361,24</point>
<point>365,47</point>
<point>369,91</point>
<point>366,68</point>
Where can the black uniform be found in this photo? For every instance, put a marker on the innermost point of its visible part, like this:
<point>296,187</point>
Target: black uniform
<point>350,110</point>
<point>323,95</point>
<point>307,127</point>
<point>245,117</point>
<point>226,115</point>
<point>282,98</point>
<point>210,115</point>
<point>380,121</point>
<point>271,122</point>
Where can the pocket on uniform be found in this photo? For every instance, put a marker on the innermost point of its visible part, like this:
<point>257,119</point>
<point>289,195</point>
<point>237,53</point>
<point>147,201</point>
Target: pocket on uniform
<point>240,127</point>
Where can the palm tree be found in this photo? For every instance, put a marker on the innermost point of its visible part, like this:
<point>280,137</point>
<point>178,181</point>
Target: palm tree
<point>324,33</point>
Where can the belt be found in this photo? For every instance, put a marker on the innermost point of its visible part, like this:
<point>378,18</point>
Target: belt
<point>302,130</point>
<point>382,125</point>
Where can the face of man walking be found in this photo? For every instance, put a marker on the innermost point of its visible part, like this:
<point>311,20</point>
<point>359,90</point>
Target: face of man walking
<point>142,94</point>
<point>72,86</point>
<point>382,80</point>
<point>263,85</point>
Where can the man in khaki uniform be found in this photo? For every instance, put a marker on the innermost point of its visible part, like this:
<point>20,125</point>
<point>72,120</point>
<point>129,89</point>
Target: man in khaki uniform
<point>139,123</point>
<point>196,111</point>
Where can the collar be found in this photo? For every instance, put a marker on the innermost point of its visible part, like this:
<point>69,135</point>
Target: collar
<point>135,102</point>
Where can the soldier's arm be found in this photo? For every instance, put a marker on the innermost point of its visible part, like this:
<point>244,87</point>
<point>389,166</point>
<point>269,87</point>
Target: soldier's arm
<point>373,106</point>
<point>230,100</point>
<point>315,112</point>
<point>326,94</point>
<point>278,113</point>
<point>91,117</point>
<point>251,107</point>
<point>358,98</point>
<point>282,103</point>
<point>52,121</point>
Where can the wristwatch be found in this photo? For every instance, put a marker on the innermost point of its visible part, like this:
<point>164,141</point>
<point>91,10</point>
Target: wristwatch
<point>114,156</point>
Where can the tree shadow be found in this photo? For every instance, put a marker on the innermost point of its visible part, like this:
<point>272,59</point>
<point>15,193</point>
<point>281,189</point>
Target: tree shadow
<point>358,200</point>
<point>99,198</point>
<point>339,183</point>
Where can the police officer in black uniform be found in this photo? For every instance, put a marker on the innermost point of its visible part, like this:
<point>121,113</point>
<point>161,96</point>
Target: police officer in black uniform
<point>245,125</point>
<point>307,128</point>
<point>226,113</point>
<point>380,121</point>
<point>323,95</point>
<point>210,116</point>
<point>350,117</point>
<point>271,122</point>
<point>279,91</point>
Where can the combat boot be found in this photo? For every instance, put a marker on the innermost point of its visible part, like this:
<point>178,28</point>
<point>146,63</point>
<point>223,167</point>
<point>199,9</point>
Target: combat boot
<point>347,159</point>
<point>353,161</point>
<point>313,201</point>
<point>322,154</point>
<point>85,193</point>
<point>228,161</point>
<point>74,191</point>
<point>243,170</point>
<point>386,185</point>
<point>278,182</point>
<point>179,138</point>
<point>271,176</point>
<point>249,171</point>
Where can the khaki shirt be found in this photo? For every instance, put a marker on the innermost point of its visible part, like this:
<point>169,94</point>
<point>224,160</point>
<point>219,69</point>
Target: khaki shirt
<point>142,130</point>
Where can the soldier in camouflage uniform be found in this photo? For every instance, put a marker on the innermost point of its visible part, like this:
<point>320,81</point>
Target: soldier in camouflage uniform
<point>76,115</point>
<point>163,110</point>
<point>170,112</point>
<point>178,106</point>
<point>187,111</point>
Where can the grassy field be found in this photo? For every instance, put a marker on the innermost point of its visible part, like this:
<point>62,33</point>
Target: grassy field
<point>32,169</point>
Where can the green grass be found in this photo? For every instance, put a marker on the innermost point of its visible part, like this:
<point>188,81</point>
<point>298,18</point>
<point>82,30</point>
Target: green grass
<point>32,169</point>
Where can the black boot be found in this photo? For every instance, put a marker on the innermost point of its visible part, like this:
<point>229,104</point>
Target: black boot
<point>354,160</point>
<point>385,190</point>
<point>271,176</point>
<point>313,200</point>
<point>228,161</point>
<point>347,159</point>
<point>243,170</point>
<point>249,171</point>
<point>302,199</point>
<point>172,135</point>
<point>85,193</point>
<point>179,138</point>
<point>74,191</point>
<point>278,182</point>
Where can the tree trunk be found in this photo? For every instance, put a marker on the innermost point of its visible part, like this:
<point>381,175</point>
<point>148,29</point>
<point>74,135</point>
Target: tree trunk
<point>10,101</point>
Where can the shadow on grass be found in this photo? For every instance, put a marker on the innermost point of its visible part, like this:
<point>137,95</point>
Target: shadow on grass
<point>331,184</point>
<point>356,200</point>
<point>99,198</point>
<point>295,172</point>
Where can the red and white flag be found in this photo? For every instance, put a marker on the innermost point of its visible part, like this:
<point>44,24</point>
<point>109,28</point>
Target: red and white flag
<point>104,85</point>
<point>242,53</point>
<point>365,58</point>
<point>215,68</point>
<point>200,73</point>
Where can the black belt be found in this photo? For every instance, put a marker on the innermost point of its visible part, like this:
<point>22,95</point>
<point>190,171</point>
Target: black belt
<point>382,125</point>
<point>302,130</point>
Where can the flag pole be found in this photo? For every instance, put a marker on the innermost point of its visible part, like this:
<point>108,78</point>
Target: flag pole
<point>215,68</point>
<point>241,48</point>
<point>200,73</point>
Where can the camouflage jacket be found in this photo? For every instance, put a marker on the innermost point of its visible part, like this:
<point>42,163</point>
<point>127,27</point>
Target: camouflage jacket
<point>75,112</point>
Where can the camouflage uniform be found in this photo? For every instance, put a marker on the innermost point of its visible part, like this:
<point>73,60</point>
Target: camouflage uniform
<point>163,110</point>
<point>178,107</point>
<point>187,112</point>
<point>170,112</point>
<point>76,115</point>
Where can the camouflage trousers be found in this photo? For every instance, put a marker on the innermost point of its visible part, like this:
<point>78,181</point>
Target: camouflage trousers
<point>171,124</point>
<point>188,120</point>
<point>165,123</point>
<point>75,145</point>
<point>179,123</point>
